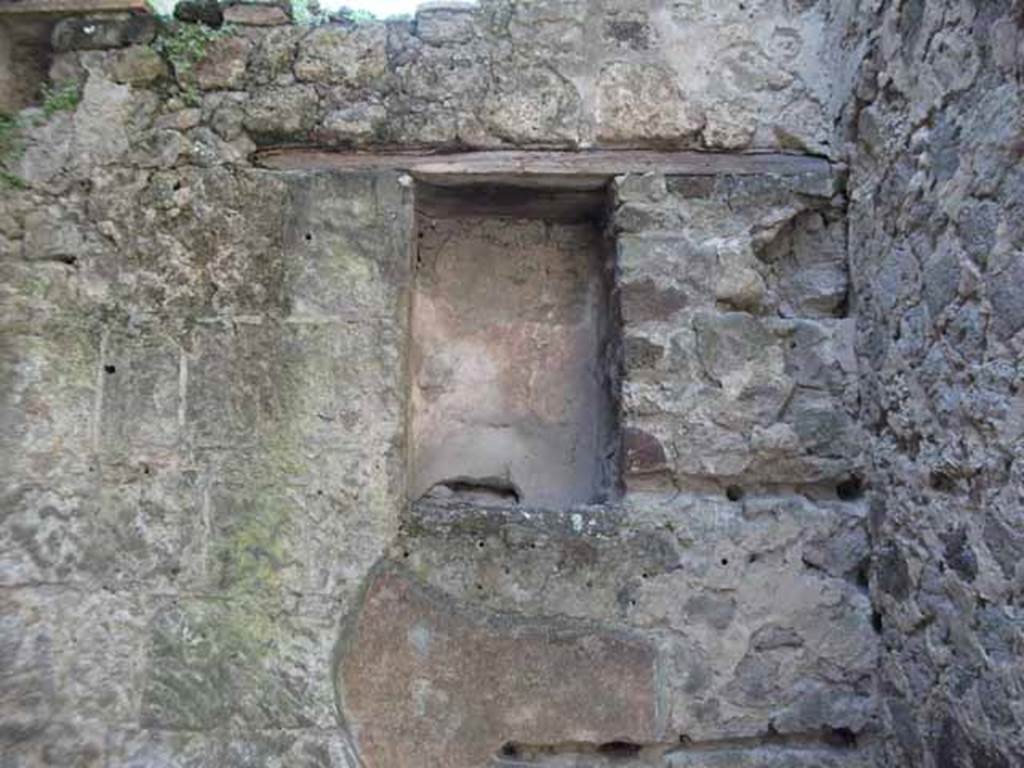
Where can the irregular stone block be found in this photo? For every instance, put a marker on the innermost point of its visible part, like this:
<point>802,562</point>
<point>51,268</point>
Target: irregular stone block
<point>138,65</point>
<point>359,123</point>
<point>206,12</point>
<point>47,532</point>
<point>156,748</point>
<point>49,677</point>
<point>347,243</point>
<point>532,104</point>
<point>149,528</point>
<point>222,66</point>
<point>355,55</point>
<point>441,23</point>
<point>242,661</point>
<point>98,33</point>
<point>643,453</point>
<point>27,661</point>
<point>280,113</point>
<point>142,397</point>
<point>663,273</point>
<point>424,681</point>
<point>256,14</point>
<point>273,54</point>
<point>640,101</point>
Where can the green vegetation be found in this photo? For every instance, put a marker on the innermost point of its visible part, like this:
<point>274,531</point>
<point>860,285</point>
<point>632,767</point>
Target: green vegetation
<point>184,46</point>
<point>61,97</point>
<point>10,149</point>
<point>357,16</point>
<point>162,8</point>
<point>8,135</point>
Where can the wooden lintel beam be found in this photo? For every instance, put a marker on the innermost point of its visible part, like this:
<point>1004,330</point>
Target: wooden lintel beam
<point>593,165</point>
<point>70,7</point>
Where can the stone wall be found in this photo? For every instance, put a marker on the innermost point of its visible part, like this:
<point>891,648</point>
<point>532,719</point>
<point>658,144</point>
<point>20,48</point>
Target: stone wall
<point>937,259</point>
<point>209,556</point>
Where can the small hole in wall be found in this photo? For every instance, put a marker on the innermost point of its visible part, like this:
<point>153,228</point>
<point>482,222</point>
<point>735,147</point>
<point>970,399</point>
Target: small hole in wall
<point>753,557</point>
<point>725,561</point>
<point>110,368</point>
<point>942,482</point>
<point>850,489</point>
<point>508,749</point>
<point>839,737</point>
<point>405,554</point>
<point>734,493</point>
<point>876,621</point>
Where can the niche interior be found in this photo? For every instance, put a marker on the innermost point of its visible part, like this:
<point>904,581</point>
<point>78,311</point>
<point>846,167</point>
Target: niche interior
<point>515,347</point>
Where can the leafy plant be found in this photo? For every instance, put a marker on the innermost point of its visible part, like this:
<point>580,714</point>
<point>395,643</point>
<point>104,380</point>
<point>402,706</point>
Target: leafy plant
<point>353,15</point>
<point>10,149</point>
<point>9,180</point>
<point>61,97</point>
<point>184,46</point>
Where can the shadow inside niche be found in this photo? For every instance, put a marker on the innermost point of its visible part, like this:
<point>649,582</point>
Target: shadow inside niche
<point>482,490</point>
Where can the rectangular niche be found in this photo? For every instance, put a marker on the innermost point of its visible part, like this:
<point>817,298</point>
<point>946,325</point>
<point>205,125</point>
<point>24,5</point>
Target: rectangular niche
<point>514,356</point>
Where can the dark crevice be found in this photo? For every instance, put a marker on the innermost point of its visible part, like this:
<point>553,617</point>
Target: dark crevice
<point>611,752</point>
<point>495,489</point>
<point>619,749</point>
<point>850,489</point>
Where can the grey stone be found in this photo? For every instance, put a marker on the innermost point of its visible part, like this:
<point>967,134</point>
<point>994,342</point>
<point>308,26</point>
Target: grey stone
<point>445,23</point>
<point>206,12</point>
<point>256,14</point>
<point>222,66</point>
<point>138,66</point>
<point>281,113</point>
<point>354,56</point>
<point>103,32</point>
<point>643,102</point>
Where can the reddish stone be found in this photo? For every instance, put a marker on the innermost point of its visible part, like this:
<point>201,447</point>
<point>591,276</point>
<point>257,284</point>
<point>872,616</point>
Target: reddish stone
<point>427,683</point>
<point>644,453</point>
<point>256,15</point>
<point>223,65</point>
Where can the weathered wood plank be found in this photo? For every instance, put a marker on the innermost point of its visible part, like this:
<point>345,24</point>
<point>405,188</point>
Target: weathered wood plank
<point>475,199</point>
<point>574,167</point>
<point>70,7</point>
